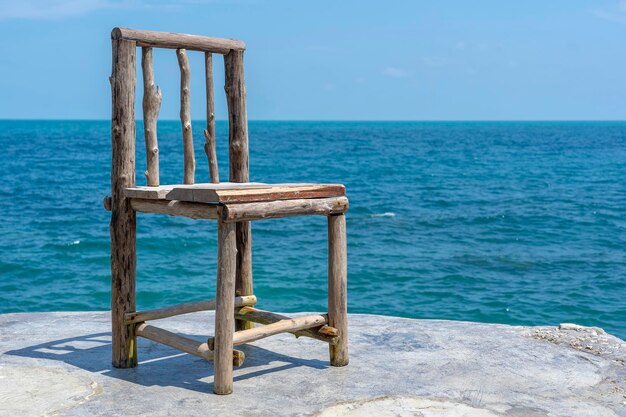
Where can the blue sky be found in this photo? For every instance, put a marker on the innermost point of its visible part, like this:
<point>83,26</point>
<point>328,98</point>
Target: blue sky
<point>334,60</point>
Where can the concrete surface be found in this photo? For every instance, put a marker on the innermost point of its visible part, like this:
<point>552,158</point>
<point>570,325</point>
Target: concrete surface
<point>59,364</point>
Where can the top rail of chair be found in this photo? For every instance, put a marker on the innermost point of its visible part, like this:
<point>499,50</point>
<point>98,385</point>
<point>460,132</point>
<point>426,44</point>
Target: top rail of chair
<point>178,40</point>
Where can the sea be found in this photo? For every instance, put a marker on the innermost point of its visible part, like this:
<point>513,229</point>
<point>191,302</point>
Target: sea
<point>521,223</point>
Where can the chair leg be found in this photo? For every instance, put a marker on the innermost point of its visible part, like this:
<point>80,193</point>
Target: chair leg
<point>243,284</point>
<point>123,219</point>
<point>337,287</point>
<point>123,265</point>
<point>225,305</point>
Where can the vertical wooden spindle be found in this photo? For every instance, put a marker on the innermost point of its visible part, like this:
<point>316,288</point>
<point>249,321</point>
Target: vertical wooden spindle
<point>238,165</point>
<point>185,116</point>
<point>209,132</point>
<point>225,306</point>
<point>151,106</point>
<point>123,221</point>
<point>337,287</point>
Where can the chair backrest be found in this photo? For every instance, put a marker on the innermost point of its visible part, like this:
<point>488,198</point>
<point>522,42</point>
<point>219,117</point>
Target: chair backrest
<point>123,82</point>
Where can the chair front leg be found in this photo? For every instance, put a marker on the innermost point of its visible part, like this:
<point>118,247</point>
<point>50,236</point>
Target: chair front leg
<point>337,287</point>
<point>225,300</point>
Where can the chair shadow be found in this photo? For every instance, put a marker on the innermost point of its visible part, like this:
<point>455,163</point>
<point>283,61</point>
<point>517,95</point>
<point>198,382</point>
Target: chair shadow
<point>159,365</point>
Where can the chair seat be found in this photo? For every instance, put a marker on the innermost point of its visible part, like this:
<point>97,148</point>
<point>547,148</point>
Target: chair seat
<point>230,192</point>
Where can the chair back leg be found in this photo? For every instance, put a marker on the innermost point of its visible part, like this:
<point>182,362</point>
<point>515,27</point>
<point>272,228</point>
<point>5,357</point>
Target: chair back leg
<point>243,284</point>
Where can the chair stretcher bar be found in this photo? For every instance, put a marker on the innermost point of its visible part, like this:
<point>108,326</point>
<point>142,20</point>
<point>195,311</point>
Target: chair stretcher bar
<point>300,326</point>
<point>187,345</point>
<point>185,308</point>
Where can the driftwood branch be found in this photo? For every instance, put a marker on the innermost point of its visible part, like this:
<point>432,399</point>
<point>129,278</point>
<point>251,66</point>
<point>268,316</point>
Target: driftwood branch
<point>151,105</point>
<point>243,283</point>
<point>185,116</point>
<point>175,208</point>
<point>184,344</point>
<point>209,132</point>
<point>224,318</point>
<point>123,219</point>
<point>185,308</point>
<point>324,333</point>
<point>238,163</point>
<point>287,325</point>
<point>237,116</point>
<point>337,287</point>
<point>284,208</point>
<point>178,40</point>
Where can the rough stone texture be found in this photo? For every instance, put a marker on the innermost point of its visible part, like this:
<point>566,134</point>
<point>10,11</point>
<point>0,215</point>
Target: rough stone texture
<point>59,364</point>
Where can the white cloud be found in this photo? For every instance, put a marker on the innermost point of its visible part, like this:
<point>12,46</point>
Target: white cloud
<point>432,61</point>
<point>617,13</point>
<point>394,72</point>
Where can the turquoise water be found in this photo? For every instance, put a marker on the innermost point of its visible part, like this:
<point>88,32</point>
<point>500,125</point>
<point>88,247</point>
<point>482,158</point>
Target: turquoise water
<point>520,223</point>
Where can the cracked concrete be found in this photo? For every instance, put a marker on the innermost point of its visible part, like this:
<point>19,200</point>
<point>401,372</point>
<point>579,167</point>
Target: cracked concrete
<point>59,364</point>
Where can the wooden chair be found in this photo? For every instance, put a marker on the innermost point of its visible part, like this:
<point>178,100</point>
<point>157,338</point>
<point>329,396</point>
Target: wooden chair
<point>233,205</point>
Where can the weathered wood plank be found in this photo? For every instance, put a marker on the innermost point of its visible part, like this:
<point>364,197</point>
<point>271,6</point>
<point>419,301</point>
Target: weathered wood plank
<point>209,132</point>
<point>224,318</point>
<point>185,117</point>
<point>162,192</point>
<point>184,344</point>
<point>178,40</point>
<point>207,193</point>
<point>184,308</point>
<point>123,221</point>
<point>233,192</point>
<point>284,208</point>
<point>324,333</point>
<point>151,106</point>
<point>149,193</point>
<point>337,287</point>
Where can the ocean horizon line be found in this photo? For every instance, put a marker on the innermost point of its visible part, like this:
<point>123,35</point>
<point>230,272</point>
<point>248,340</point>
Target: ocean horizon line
<point>346,120</point>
